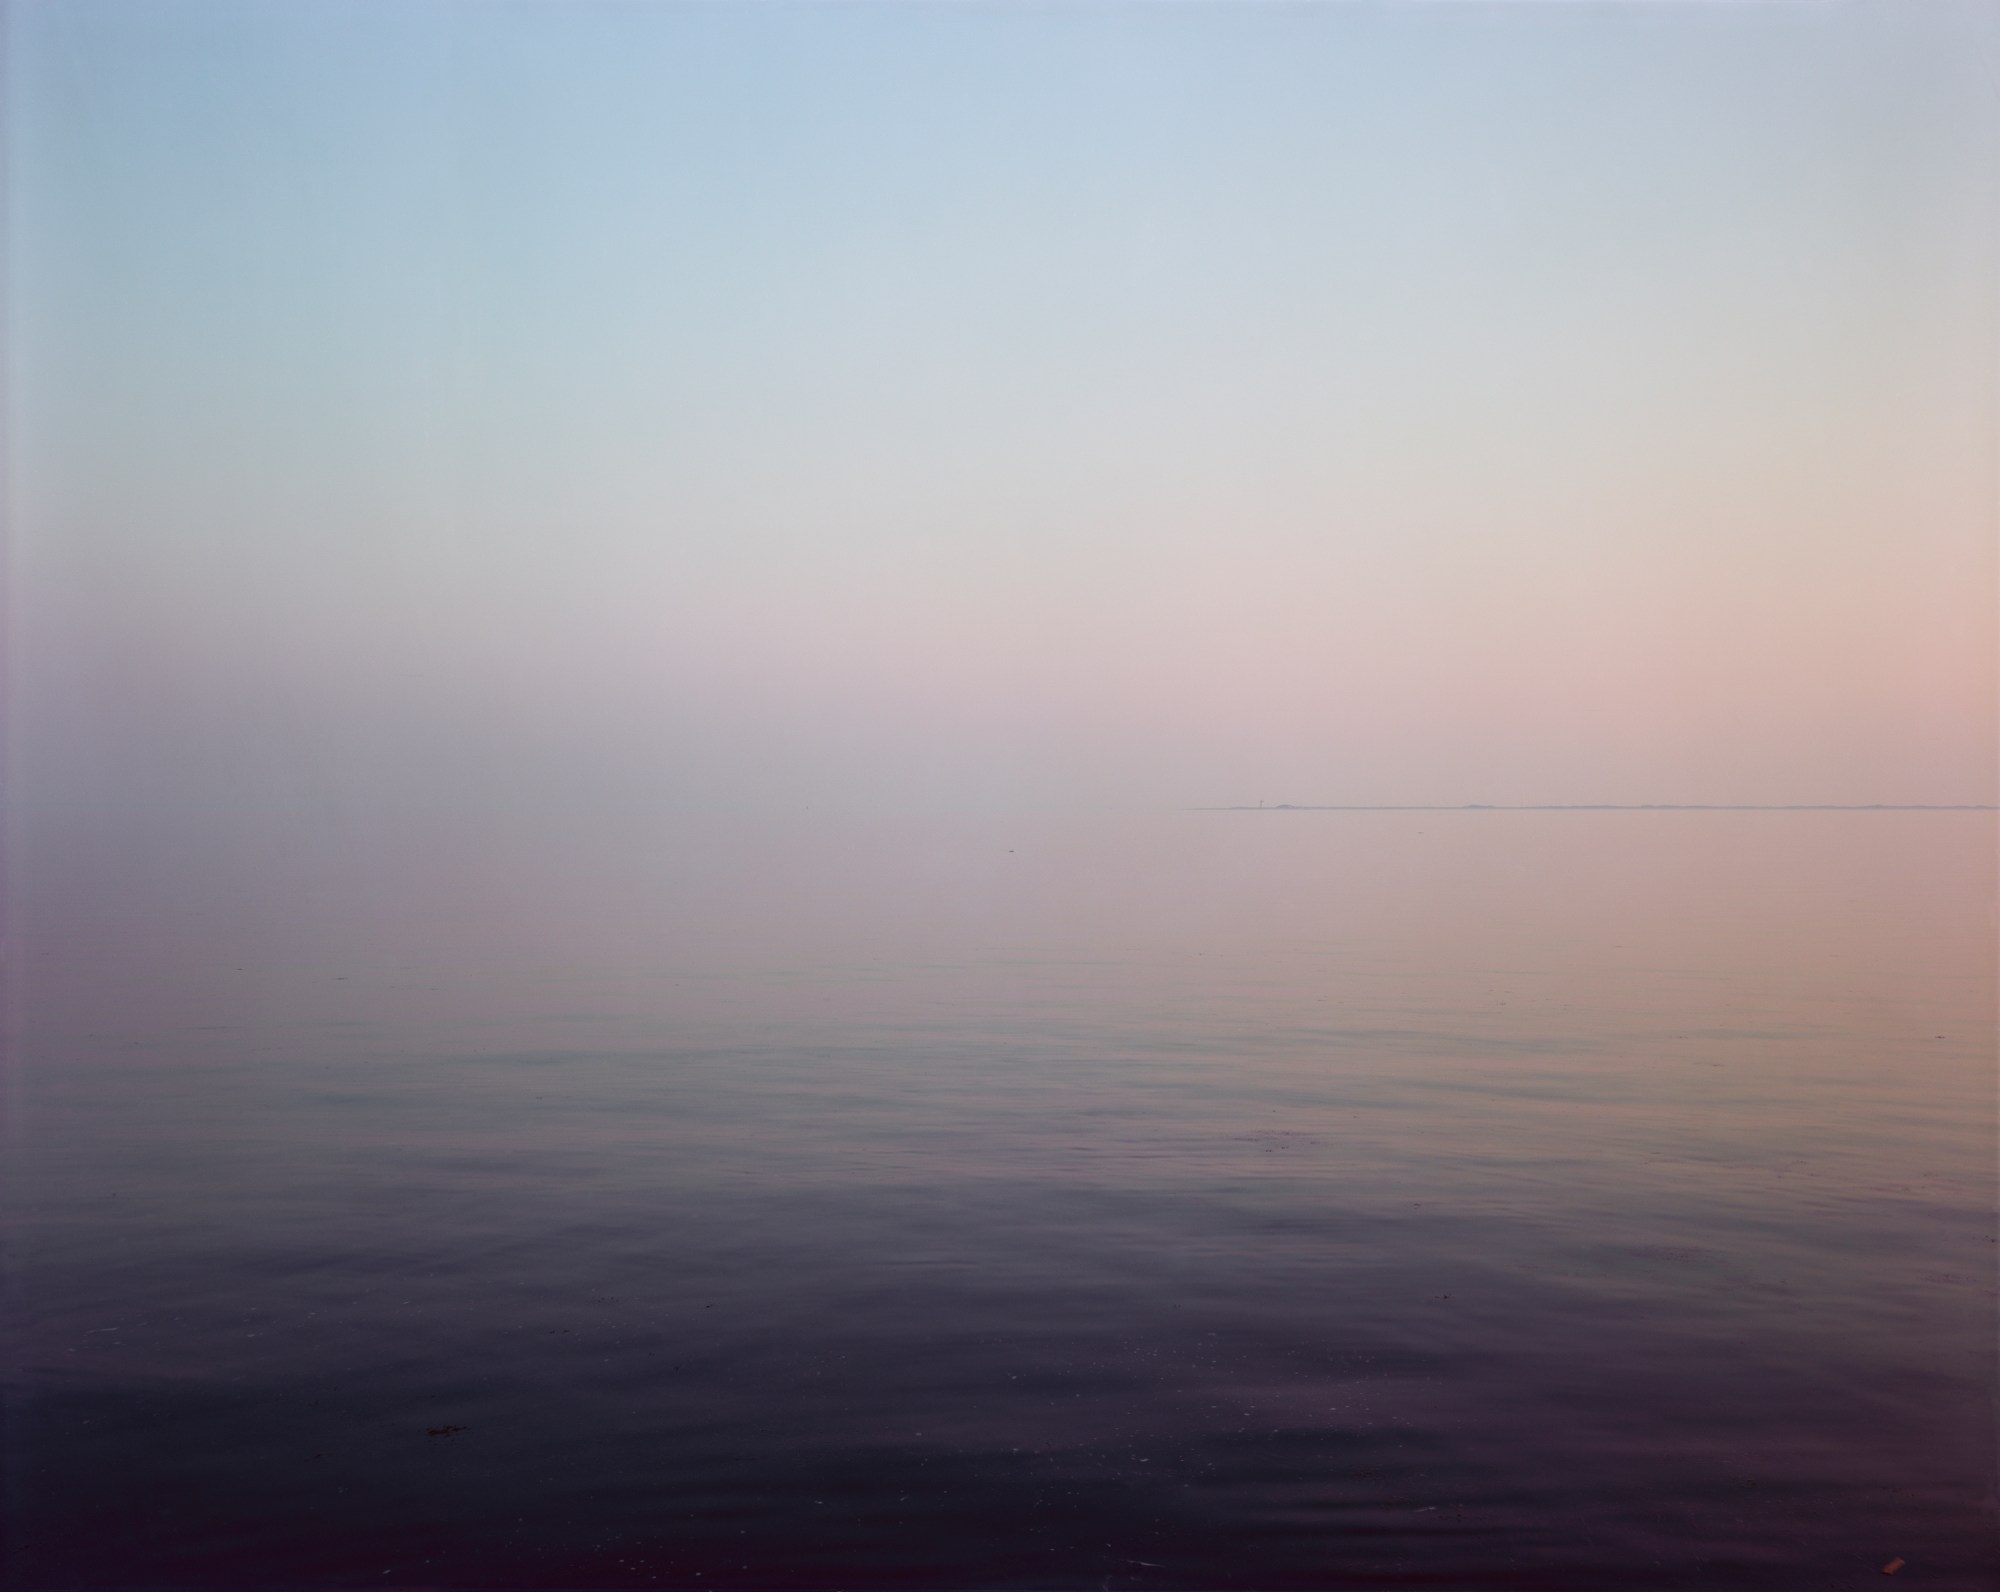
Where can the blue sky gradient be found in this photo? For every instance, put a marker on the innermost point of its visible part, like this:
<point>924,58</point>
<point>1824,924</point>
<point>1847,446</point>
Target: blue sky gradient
<point>970,404</point>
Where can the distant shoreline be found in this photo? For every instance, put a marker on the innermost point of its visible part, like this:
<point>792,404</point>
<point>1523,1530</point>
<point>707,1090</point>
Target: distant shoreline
<point>1614,807</point>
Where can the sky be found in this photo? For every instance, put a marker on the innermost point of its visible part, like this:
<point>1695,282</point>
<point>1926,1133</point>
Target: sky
<point>665,406</point>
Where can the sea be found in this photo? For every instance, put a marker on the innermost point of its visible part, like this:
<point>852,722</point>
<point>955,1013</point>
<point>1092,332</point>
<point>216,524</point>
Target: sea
<point>1501,1201</point>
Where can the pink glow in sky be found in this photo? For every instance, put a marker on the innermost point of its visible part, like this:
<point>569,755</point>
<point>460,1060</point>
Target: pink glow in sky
<point>948,405</point>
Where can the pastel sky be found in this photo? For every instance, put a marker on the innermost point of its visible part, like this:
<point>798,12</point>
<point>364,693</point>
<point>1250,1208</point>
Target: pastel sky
<point>1159,404</point>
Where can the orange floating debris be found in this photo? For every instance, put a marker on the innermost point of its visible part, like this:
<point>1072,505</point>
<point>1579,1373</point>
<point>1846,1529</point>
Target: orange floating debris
<point>1893,1566</point>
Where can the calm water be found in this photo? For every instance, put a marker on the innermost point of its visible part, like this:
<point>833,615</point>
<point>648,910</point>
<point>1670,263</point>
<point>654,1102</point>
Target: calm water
<point>1205,1200</point>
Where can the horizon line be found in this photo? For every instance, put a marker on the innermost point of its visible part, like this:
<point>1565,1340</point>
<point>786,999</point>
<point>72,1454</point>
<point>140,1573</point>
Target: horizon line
<point>1604,807</point>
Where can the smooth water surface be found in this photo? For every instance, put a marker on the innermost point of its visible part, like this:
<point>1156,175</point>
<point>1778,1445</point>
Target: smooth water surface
<point>1200,1200</point>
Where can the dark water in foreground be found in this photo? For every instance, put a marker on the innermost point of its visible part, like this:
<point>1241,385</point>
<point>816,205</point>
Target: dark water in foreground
<point>1448,1200</point>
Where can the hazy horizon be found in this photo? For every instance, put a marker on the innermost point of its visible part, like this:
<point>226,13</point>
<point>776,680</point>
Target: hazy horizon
<point>617,612</point>
<point>687,407</point>
<point>1602,807</point>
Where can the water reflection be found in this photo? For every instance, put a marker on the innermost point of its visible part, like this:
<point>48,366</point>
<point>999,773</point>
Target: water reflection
<point>1203,1200</point>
